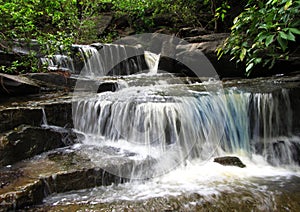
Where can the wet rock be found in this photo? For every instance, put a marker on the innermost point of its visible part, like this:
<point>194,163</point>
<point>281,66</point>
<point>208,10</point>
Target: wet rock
<point>230,161</point>
<point>59,171</point>
<point>23,194</point>
<point>107,86</point>
<point>17,85</point>
<point>26,142</point>
<point>53,81</point>
<point>7,177</point>
<point>59,114</point>
<point>13,117</point>
<point>18,111</point>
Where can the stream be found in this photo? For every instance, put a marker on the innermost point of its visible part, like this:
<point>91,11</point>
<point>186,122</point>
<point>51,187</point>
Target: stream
<point>159,134</point>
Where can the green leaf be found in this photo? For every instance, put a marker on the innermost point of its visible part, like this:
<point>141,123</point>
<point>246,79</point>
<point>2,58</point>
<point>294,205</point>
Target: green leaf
<point>261,36</point>
<point>269,40</point>
<point>249,67</point>
<point>283,35</point>
<point>257,60</point>
<point>282,43</point>
<point>243,54</point>
<point>288,4</point>
<point>294,30</point>
<point>290,36</point>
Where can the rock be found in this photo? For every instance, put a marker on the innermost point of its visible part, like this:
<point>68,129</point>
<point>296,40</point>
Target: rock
<point>53,81</point>
<point>107,86</point>
<point>13,117</point>
<point>206,38</point>
<point>7,177</point>
<point>25,142</point>
<point>103,23</point>
<point>207,45</point>
<point>192,32</point>
<point>17,85</point>
<point>59,114</point>
<point>58,171</point>
<point>6,58</point>
<point>279,152</point>
<point>230,161</point>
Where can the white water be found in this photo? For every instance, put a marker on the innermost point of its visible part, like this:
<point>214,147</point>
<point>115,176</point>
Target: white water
<point>206,179</point>
<point>100,59</point>
<point>181,131</point>
<point>172,130</point>
<point>58,62</point>
<point>152,61</point>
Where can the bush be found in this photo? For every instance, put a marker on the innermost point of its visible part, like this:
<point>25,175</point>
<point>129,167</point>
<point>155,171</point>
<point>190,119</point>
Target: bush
<point>263,33</point>
<point>55,24</point>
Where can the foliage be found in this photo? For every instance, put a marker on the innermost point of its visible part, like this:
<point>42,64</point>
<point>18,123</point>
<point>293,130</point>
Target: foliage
<point>134,9</point>
<point>186,12</point>
<point>263,33</point>
<point>54,24</point>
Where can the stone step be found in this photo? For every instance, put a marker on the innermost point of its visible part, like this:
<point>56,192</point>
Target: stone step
<point>27,141</point>
<point>28,182</point>
<point>57,109</point>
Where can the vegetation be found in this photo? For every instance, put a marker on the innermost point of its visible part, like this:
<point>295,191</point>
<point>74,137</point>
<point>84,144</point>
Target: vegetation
<point>261,34</point>
<point>55,25</point>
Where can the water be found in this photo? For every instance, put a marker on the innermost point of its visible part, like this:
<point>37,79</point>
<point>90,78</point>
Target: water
<point>180,131</point>
<point>99,60</point>
<point>175,131</point>
<point>152,61</point>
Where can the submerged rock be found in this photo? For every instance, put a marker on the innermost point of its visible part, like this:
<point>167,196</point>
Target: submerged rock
<point>230,161</point>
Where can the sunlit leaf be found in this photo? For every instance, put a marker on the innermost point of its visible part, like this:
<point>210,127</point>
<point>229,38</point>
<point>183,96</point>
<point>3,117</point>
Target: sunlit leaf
<point>243,54</point>
<point>288,4</point>
<point>249,67</point>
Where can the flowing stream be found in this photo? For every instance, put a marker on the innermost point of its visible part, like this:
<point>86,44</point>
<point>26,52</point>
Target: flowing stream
<point>173,132</point>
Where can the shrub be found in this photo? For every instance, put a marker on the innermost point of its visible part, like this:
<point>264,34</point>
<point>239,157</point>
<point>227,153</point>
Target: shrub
<point>262,33</point>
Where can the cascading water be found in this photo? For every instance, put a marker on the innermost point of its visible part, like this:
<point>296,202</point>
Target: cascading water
<point>178,131</point>
<point>172,132</point>
<point>199,125</point>
<point>152,61</point>
<point>58,62</point>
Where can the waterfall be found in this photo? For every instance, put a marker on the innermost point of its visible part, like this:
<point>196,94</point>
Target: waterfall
<point>105,59</point>
<point>173,129</point>
<point>152,61</point>
<point>58,62</point>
